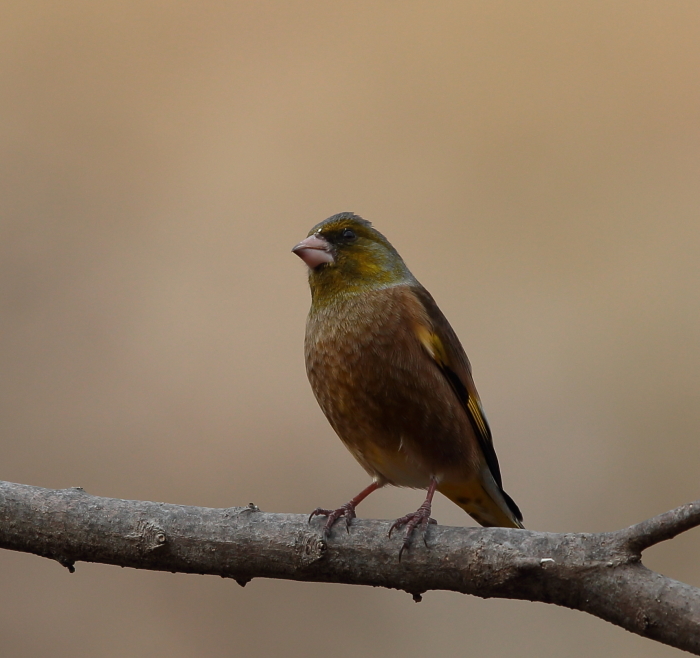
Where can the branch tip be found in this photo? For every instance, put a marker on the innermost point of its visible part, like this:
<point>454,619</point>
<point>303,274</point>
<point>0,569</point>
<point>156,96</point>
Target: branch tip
<point>662,527</point>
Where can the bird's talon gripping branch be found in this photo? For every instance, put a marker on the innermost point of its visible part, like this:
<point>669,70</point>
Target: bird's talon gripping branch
<point>346,511</point>
<point>421,517</point>
<point>319,511</point>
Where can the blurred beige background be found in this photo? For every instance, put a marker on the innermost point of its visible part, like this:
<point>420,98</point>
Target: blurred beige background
<point>537,165</point>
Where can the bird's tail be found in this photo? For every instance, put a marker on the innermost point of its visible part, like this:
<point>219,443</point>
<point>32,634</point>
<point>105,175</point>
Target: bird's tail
<point>484,501</point>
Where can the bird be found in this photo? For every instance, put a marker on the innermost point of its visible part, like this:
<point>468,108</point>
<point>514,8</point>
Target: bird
<point>393,380</point>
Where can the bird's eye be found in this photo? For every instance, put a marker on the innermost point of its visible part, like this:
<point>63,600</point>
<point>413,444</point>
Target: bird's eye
<point>348,234</point>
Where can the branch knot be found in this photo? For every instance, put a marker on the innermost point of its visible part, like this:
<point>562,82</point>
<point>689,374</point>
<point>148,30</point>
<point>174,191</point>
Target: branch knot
<point>149,536</point>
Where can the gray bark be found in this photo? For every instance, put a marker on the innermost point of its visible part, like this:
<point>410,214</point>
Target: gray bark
<point>601,574</point>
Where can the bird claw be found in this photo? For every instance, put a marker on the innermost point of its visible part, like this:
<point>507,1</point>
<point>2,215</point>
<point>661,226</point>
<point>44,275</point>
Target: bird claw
<point>421,517</point>
<point>346,511</point>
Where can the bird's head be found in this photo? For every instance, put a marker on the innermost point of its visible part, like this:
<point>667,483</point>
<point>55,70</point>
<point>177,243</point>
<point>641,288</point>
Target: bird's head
<point>345,255</point>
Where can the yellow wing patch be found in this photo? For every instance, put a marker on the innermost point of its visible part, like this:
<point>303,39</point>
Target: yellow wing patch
<point>432,343</point>
<point>477,414</point>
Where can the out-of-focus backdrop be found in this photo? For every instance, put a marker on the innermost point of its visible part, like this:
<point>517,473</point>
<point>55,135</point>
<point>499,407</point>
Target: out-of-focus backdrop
<point>536,164</point>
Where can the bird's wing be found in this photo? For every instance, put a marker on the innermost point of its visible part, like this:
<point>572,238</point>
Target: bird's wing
<point>440,341</point>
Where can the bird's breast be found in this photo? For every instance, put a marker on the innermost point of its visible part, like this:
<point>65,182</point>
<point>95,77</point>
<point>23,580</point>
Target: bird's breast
<point>381,392</point>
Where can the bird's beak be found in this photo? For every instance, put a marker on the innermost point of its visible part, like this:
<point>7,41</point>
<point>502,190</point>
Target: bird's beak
<point>314,251</point>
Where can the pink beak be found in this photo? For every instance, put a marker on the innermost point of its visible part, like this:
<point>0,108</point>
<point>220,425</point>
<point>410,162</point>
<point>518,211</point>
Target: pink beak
<point>314,251</point>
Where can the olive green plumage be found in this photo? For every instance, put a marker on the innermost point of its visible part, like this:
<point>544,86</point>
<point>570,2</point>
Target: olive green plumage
<point>367,262</point>
<point>391,375</point>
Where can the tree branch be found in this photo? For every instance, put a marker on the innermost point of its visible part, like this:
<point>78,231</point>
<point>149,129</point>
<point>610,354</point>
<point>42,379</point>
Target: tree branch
<point>662,527</point>
<point>601,573</point>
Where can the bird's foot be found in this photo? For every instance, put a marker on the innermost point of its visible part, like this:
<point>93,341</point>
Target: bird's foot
<point>346,511</point>
<point>421,517</point>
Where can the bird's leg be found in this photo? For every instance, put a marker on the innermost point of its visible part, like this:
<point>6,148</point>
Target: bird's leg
<point>347,510</point>
<point>420,517</point>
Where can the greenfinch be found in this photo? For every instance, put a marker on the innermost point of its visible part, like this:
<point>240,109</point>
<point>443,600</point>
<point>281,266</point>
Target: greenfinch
<point>393,380</point>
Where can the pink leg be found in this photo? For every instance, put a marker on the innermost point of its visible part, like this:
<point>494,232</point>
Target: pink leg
<point>347,510</point>
<point>420,517</point>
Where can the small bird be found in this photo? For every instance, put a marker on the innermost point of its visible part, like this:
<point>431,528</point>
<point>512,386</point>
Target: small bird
<point>392,378</point>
